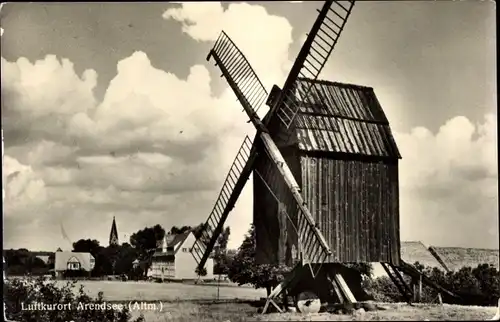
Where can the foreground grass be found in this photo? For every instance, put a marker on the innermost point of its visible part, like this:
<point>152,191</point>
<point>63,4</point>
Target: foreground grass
<point>247,311</point>
<point>150,291</point>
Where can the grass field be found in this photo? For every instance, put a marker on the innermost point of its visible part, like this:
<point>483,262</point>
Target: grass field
<point>149,291</point>
<point>184,302</point>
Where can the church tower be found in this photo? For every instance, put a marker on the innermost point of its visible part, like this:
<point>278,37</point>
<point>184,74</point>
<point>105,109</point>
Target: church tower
<point>113,236</point>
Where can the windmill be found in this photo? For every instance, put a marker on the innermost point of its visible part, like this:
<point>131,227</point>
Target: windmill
<point>325,171</point>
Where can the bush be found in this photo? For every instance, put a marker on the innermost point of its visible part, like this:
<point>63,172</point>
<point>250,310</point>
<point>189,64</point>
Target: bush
<point>478,286</point>
<point>19,293</point>
<point>200,271</point>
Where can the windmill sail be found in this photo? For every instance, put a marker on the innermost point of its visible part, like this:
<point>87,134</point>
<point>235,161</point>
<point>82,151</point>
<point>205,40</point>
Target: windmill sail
<point>231,189</point>
<point>239,71</point>
<point>313,56</point>
<point>252,94</point>
<point>243,80</point>
<point>271,148</point>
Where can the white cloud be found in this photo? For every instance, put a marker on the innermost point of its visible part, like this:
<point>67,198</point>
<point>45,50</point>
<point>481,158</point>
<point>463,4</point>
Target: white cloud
<point>157,148</point>
<point>448,183</point>
<point>24,189</point>
<point>263,38</point>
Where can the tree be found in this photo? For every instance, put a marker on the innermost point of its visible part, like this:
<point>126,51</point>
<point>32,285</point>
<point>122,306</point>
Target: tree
<point>365,269</point>
<point>22,261</point>
<point>145,242</point>
<point>124,259</point>
<point>176,230</point>
<point>87,246</point>
<point>221,260</point>
<point>201,271</point>
<point>244,270</point>
<point>198,230</point>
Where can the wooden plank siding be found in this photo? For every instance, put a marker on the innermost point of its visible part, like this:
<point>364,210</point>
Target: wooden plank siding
<point>343,155</point>
<point>355,204</point>
<point>275,231</point>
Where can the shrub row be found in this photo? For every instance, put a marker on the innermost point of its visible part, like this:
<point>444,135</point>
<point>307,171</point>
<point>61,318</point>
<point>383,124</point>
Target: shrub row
<point>19,294</point>
<point>475,286</point>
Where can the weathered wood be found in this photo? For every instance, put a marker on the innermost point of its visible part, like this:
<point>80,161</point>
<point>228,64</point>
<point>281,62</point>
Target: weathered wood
<point>419,299</point>
<point>412,271</point>
<point>353,213</point>
<point>336,288</point>
<point>401,288</point>
<point>276,156</point>
<point>345,289</point>
<point>287,282</point>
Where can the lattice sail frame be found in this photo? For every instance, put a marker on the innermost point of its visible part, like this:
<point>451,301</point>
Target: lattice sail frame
<point>251,93</point>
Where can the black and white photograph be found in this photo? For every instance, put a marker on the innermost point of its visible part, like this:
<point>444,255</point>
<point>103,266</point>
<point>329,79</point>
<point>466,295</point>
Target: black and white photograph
<point>249,161</point>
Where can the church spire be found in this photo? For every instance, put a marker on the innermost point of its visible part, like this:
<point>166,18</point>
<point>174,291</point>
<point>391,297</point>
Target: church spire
<point>113,236</point>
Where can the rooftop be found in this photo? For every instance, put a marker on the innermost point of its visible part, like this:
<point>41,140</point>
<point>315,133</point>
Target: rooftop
<point>343,118</point>
<point>454,258</point>
<point>415,251</point>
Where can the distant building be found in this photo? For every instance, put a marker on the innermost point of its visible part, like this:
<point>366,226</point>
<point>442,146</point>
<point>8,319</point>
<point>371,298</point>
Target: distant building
<point>173,259</point>
<point>443,258</point>
<point>44,256</point>
<point>72,261</point>
<point>454,258</point>
<point>113,235</point>
<point>411,252</point>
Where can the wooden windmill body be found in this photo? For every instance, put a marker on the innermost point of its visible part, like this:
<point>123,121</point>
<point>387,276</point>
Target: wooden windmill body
<point>345,160</point>
<point>325,169</point>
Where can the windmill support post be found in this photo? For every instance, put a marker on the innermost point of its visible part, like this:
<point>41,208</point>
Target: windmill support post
<point>290,285</point>
<point>398,280</point>
<point>412,271</point>
<point>419,299</point>
<point>334,278</point>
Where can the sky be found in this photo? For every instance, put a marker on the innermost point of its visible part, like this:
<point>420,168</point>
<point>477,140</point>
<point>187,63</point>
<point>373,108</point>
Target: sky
<point>111,110</point>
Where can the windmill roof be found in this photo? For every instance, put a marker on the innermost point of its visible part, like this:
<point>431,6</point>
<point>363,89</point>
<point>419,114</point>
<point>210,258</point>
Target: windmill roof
<point>454,258</point>
<point>343,118</point>
<point>415,251</point>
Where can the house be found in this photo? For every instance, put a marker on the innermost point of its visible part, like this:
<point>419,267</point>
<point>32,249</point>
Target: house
<point>411,252</point>
<point>173,259</point>
<point>44,258</point>
<point>443,258</point>
<point>454,258</point>
<point>68,262</point>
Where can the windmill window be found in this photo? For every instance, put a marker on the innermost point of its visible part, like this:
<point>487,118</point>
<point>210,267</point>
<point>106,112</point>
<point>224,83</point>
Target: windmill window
<point>184,250</point>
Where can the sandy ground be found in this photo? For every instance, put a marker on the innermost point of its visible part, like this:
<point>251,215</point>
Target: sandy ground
<point>247,312</point>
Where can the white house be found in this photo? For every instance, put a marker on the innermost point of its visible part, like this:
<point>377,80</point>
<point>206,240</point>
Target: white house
<point>173,259</point>
<point>72,261</point>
